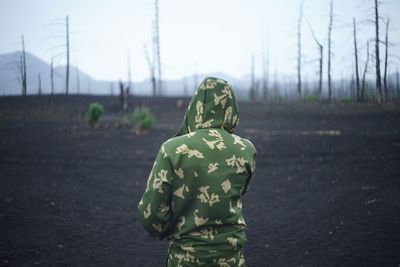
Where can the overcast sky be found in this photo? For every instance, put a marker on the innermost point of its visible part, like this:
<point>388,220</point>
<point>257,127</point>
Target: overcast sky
<point>202,35</point>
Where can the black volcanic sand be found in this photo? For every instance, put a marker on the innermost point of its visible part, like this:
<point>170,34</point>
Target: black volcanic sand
<point>326,191</point>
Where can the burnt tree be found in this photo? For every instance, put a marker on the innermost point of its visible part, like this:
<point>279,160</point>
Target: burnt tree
<point>67,55</point>
<point>363,83</point>
<point>151,70</point>
<point>52,75</point>
<point>23,67</point>
<point>39,85</point>
<point>385,86</point>
<point>377,58</point>
<point>321,55</point>
<point>299,22</point>
<point>356,60</point>
<point>330,50</point>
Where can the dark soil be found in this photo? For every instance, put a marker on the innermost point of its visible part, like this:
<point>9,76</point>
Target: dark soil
<point>326,191</point>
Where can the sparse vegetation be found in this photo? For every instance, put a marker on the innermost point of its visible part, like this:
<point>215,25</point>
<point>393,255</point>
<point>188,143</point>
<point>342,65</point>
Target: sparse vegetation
<point>311,98</point>
<point>143,119</point>
<point>125,121</point>
<point>345,100</point>
<point>94,113</point>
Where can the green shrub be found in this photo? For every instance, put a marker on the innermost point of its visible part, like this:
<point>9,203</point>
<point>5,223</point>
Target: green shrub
<point>126,120</point>
<point>345,99</point>
<point>94,112</point>
<point>279,98</point>
<point>143,118</point>
<point>311,98</point>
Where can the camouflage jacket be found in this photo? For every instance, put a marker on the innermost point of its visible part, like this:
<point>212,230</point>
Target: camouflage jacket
<point>193,193</point>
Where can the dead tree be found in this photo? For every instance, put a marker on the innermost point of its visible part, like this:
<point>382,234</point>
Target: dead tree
<point>67,47</point>
<point>78,84</point>
<point>185,86</point>
<point>111,88</point>
<point>130,84</point>
<point>321,55</point>
<point>195,78</point>
<point>253,91</point>
<point>52,75</point>
<point>330,50</point>
<point>265,59</point>
<point>123,95</point>
<point>39,85</point>
<point>356,60</point>
<point>377,59</point>
<point>363,83</point>
<point>23,67</point>
<point>152,73</point>
<point>397,83</point>
<point>156,45</point>
<point>299,22</point>
<point>89,85</point>
<point>386,96</point>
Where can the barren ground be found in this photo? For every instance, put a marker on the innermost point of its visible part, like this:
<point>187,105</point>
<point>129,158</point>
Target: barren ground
<point>326,191</point>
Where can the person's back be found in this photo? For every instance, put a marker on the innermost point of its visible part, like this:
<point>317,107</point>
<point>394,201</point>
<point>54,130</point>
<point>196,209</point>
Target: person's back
<point>193,195</point>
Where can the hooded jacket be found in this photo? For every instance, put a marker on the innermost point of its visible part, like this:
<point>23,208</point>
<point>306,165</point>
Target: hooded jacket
<point>193,193</point>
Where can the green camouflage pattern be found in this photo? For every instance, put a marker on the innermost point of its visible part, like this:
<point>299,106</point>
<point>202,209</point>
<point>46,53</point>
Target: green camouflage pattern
<point>193,193</point>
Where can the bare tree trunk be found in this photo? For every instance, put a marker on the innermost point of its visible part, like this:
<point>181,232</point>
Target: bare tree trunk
<point>67,45</point>
<point>299,22</point>
<point>377,60</point>
<point>123,95</point>
<point>157,44</point>
<point>195,78</point>
<point>386,96</point>
<point>111,88</point>
<point>130,84</point>
<point>321,55</point>
<point>264,81</point>
<point>151,69</point>
<point>356,60</point>
<point>185,86</point>
<point>267,70</point>
<point>24,75</point>
<point>265,63</point>
<point>329,50</point>
<point>253,81</point>
<point>397,83</point>
<point>89,83</point>
<point>78,84</point>
<point>39,85</point>
<point>21,74</point>
<point>364,74</point>
<point>52,75</point>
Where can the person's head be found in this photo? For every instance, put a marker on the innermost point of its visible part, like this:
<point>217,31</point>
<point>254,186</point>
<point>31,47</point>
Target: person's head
<point>212,106</point>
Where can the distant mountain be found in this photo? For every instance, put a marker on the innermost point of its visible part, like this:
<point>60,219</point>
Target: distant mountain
<point>10,84</point>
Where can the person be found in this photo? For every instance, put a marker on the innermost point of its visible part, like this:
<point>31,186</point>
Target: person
<point>194,190</point>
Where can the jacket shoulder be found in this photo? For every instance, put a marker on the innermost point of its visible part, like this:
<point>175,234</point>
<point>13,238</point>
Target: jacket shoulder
<point>248,144</point>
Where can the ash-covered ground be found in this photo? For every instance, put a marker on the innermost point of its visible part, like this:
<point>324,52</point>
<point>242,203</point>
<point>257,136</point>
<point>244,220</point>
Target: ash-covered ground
<point>326,190</point>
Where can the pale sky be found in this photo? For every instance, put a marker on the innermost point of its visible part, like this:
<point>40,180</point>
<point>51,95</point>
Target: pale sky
<point>202,35</point>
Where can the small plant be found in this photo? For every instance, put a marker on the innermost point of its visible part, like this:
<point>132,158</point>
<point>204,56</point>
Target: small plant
<point>125,121</point>
<point>311,98</point>
<point>143,119</point>
<point>345,100</point>
<point>94,113</point>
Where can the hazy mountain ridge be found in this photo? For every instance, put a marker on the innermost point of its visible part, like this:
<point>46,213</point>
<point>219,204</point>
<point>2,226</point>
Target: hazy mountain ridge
<point>278,86</point>
<point>10,80</point>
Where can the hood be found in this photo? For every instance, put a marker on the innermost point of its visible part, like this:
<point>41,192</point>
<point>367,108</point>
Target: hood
<point>212,106</point>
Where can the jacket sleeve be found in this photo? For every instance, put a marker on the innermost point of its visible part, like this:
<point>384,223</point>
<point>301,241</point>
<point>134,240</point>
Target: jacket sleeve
<point>155,206</point>
<point>251,170</point>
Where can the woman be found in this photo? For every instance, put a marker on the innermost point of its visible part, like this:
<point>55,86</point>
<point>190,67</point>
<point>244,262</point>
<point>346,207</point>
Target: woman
<point>193,193</point>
